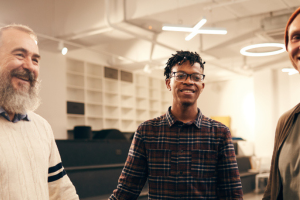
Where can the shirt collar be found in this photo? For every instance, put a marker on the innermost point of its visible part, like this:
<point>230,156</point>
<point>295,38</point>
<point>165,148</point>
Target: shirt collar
<point>172,120</point>
<point>18,117</point>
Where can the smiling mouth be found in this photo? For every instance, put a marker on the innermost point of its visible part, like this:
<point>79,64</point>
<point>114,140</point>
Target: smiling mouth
<point>23,78</point>
<point>187,91</point>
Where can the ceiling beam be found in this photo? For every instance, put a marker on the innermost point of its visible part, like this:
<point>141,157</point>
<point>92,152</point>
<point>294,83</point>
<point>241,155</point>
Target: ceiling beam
<point>281,58</point>
<point>234,40</point>
<point>88,33</point>
<point>285,3</point>
<point>231,70</point>
<point>223,4</point>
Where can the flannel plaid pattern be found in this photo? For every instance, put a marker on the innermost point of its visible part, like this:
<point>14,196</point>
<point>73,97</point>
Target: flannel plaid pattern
<point>194,160</point>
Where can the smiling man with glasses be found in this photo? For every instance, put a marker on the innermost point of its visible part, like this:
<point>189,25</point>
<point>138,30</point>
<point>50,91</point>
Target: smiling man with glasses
<point>183,154</point>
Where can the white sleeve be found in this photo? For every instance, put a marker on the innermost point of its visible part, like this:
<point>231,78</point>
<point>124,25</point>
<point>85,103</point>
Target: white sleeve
<point>59,184</point>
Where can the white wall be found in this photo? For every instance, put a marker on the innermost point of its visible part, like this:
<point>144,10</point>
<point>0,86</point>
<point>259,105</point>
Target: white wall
<point>234,99</point>
<point>53,92</point>
<point>254,104</point>
<point>265,111</point>
<point>275,93</point>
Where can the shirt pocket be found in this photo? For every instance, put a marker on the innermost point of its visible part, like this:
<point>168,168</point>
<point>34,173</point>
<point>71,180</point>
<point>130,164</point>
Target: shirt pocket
<point>203,163</point>
<point>159,162</point>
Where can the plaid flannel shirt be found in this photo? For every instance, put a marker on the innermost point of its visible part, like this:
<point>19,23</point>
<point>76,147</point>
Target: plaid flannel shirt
<point>194,160</point>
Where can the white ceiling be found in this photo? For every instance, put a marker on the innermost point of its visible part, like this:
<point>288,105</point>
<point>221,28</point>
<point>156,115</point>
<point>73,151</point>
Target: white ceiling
<point>119,29</point>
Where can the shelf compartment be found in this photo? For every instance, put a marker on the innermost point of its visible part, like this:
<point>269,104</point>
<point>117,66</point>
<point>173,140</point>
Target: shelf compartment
<point>141,103</point>
<point>75,80</point>
<point>95,123</point>
<point>111,99</point>
<point>94,70</point>
<point>142,115</point>
<point>127,113</point>
<point>75,66</point>
<point>154,94</point>
<point>154,105</point>
<point>128,125</point>
<point>127,89</point>
<point>111,112</point>
<point>127,101</point>
<point>111,123</point>
<point>94,103</point>
<point>111,86</point>
<point>154,83</point>
<point>93,96</point>
<point>75,87</point>
<point>74,94</point>
<point>142,92</point>
<point>94,90</point>
<point>126,76</point>
<point>142,80</point>
<point>111,73</point>
<point>75,108</point>
<point>94,110</point>
<point>74,120</point>
<point>94,83</point>
<point>74,73</point>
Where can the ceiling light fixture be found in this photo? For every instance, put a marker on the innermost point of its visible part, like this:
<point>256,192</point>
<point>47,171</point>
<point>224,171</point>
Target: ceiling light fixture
<point>244,51</point>
<point>62,48</point>
<point>220,31</point>
<point>147,69</point>
<point>64,51</point>
<point>290,70</point>
<point>195,30</point>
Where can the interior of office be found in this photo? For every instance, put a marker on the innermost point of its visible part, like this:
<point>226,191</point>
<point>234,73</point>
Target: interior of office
<point>125,38</point>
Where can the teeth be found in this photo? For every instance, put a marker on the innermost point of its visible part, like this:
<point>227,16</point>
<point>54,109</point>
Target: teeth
<point>189,91</point>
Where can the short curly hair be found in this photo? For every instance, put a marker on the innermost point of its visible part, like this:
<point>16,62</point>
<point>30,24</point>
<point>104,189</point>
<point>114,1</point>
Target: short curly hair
<point>179,58</point>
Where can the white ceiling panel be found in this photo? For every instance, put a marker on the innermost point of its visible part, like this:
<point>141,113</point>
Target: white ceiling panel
<point>129,34</point>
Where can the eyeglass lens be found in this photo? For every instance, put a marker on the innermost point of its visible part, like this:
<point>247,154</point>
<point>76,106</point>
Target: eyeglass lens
<point>181,76</point>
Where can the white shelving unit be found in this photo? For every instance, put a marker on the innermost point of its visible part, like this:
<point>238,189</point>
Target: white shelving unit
<point>113,98</point>
<point>93,92</point>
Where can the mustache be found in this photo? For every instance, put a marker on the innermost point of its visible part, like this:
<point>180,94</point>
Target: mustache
<point>24,74</point>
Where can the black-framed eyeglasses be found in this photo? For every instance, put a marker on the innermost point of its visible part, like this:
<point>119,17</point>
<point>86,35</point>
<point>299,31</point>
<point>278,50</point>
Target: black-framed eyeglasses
<point>182,76</point>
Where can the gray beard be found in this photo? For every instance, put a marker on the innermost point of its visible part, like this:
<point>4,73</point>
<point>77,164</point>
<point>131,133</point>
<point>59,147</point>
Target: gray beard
<point>18,101</point>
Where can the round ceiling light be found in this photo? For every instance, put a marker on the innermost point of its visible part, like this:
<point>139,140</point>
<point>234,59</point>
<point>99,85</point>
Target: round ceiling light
<point>244,51</point>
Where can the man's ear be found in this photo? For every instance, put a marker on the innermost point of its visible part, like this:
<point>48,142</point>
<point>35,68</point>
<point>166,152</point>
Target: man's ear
<point>168,84</point>
<point>203,86</point>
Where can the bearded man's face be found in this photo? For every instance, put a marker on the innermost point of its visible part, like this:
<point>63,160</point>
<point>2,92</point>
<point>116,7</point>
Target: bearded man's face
<point>19,69</point>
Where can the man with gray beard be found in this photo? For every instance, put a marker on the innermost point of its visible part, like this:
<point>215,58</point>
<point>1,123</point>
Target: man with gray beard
<point>18,101</point>
<point>30,164</point>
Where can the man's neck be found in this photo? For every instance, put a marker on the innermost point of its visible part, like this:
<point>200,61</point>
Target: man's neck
<point>185,113</point>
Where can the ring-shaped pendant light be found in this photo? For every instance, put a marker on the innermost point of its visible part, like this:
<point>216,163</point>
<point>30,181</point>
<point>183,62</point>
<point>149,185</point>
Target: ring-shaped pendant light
<point>244,51</point>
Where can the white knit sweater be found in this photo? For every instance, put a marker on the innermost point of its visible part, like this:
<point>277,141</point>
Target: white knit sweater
<point>28,156</point>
